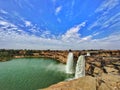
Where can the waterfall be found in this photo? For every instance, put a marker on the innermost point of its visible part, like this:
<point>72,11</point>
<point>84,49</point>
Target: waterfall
<point>80,67</point>
<point>70,64</point>
<point>88,54</point>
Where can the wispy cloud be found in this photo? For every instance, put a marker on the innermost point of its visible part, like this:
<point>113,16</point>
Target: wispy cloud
<point>107,5</point>
<point>3,11</point>
<point>26,3</point>
<point>10,27</point>
<point>58,9</point>
<point>112,20</point>
<point>105,21</point>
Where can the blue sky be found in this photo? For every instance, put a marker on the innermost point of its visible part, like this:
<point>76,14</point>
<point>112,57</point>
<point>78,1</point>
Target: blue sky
<point>60,24</point>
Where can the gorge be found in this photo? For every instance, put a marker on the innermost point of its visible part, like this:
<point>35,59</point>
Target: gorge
<point>99,79</point>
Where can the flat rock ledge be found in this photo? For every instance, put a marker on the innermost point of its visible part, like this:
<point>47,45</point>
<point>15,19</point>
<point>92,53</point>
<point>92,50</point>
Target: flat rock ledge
<point>103,82</point>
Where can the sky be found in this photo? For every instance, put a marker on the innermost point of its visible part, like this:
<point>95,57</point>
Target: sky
<point>60,24</point>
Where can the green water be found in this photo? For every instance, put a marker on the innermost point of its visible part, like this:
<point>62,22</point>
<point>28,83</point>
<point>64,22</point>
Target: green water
<point>30,73</point>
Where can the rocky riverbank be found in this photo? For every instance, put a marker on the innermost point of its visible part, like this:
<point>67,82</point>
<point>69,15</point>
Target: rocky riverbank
<point>102,78</point>
<point>102,73</point>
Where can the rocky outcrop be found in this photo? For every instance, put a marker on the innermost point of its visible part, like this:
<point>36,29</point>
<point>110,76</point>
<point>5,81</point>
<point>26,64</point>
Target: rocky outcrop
<point>103,82</point>
<point>83,83</point>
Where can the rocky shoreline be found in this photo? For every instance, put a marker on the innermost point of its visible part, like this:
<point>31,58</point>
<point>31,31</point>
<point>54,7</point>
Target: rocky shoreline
<point>105,77</point>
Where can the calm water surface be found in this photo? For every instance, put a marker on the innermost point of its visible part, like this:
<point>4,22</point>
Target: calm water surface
<point>30,73</point>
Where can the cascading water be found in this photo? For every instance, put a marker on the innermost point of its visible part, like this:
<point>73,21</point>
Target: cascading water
<point>80,67</point>
<point>88,54</point>
<point>70,64</point>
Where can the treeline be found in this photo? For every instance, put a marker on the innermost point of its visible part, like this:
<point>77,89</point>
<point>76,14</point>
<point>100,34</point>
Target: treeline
<point>7,54</point>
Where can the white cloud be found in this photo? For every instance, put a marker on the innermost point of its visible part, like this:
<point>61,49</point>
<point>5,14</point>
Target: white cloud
<point>46,34</point>
<point>7,31</point>
<point>72,34</point>
<point>110,42</point>
<point>58,9</point>
<point>6,24</point>
<point>33,28</point>
<point>10,38</point>
<point>24,41</point>
<point>15,40</point>
<point>86,38</point>
<point>27,23</point>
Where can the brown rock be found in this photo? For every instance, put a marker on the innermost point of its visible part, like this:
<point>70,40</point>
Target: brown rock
<point>103,87</point>
<point>111,70</point>
<point>97,64</point>
<point>97,70</point>
<point>112,81</point>
<point>83,83</point>
<point>87,66</point>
